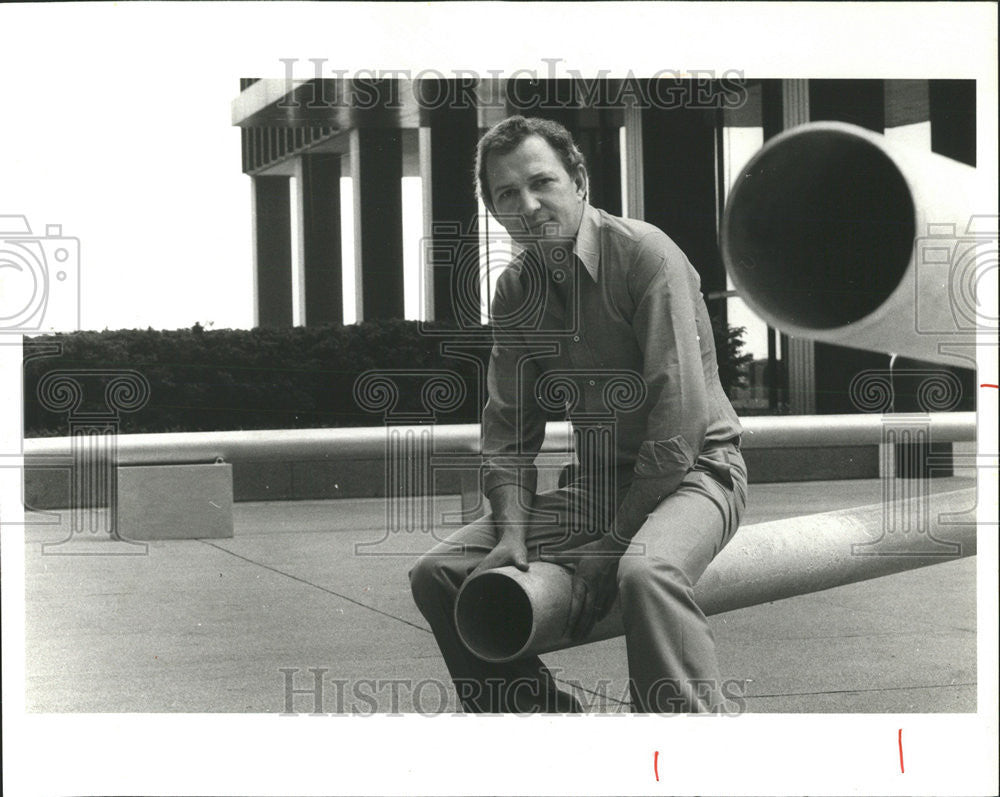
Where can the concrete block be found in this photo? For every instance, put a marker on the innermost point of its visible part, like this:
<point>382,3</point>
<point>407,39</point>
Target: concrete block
<point>175,502</point>
<point>46,488</point>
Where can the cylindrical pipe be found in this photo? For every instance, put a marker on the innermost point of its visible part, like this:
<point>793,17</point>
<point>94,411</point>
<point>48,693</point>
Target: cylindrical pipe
<point>761,431</point>
<point>505,614</point>
<point>835,233</point>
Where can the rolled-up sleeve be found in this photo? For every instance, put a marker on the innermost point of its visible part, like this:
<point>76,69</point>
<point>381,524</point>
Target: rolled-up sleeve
<point>513,427</point>
<point>668,330</point>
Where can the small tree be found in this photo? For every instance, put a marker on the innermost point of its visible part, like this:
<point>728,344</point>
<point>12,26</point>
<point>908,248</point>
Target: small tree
<point>732,361</point>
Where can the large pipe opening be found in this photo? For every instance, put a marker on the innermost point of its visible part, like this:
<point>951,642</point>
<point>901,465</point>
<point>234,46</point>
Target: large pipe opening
<point>494,617</point>
<point>819,229</point>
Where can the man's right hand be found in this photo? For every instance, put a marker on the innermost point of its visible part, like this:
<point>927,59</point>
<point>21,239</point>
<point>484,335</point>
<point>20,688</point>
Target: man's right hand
<point>511,550</point>
<point>510,506</point>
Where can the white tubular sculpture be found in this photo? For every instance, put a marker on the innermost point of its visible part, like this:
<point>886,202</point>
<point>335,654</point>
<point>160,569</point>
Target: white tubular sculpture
<point>505,614</point>
<point>834,233</point>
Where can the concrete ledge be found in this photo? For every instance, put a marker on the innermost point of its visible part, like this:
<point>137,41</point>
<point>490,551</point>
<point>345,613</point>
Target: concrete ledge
<point>811,464</point>
<point>318,464</point>
<point>48,488</point>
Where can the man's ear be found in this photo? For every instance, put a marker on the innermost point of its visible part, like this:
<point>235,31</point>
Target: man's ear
<point>581,182</point>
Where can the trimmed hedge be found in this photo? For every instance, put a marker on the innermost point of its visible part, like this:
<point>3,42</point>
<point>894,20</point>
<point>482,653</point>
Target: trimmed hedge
<point>300,377</point>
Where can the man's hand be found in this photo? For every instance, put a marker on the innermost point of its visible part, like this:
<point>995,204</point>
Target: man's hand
<point>595,575</point>
<point>510,505</point>
<point>510,550</point>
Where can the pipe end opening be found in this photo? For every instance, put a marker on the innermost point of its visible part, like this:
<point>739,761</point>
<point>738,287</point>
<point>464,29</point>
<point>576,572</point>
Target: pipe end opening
<point>494,617</point>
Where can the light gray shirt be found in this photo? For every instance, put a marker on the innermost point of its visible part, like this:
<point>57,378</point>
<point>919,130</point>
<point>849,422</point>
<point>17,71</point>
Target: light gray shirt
<point>631,351</point>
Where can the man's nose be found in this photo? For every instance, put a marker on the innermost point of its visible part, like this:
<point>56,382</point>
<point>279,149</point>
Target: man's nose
<point>529,203</point>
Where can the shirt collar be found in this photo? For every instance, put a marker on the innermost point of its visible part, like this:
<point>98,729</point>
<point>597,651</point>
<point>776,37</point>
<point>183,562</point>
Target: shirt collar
<point>587,246</point>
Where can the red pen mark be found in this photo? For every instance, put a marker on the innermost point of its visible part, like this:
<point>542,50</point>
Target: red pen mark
<point>901,770</point>
<point>656,767</point>
<point>987,384</point>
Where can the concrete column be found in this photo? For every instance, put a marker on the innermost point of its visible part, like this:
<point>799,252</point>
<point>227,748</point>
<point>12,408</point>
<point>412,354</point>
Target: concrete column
<point>953,134</point>
<point>428,305</point>
<point>786,105</point>
<point>454,133</point>
<point>794,102</point>
<point>681,190</point>
<point>906,102</point>
<point>634,185</point>
<point>857,102</point>
<point>272,252</point>
<point>953,119</point>
<point>801,369</point>
<point>599,140</point>
<point>298,249</point>
<point>321,244</point>
<point>377,169</point>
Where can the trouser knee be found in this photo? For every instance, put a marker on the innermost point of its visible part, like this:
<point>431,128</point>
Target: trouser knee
<point>425,579</point>
<point>643,577</point>
<point>434,578</point>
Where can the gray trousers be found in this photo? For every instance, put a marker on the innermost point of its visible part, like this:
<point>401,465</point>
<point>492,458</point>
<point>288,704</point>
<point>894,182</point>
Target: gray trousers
<point>671,650</point>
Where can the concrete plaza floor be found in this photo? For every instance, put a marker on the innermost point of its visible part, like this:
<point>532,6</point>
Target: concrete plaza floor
<point>230,625</point>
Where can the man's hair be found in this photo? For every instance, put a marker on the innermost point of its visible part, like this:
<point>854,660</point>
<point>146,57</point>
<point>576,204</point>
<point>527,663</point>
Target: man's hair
<point>506,136</point>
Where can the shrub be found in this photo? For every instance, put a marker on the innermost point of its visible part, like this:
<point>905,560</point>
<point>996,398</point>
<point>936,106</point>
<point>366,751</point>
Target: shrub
<point>289,378</point>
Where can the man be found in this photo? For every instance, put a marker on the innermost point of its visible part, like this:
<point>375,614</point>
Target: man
<point>591,301</point>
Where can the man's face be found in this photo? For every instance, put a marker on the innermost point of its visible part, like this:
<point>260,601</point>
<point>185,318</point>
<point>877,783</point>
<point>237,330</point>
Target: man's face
<point>533,195</point>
